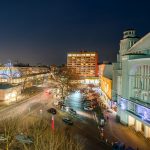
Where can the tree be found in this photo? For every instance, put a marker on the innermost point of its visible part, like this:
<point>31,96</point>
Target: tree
<point>67,80</point>
<point>8,127</point>
<point>44,138</point>
<point>39,131</point>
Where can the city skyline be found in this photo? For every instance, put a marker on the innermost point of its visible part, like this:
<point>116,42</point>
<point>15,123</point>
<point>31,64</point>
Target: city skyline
<point>43,32</point>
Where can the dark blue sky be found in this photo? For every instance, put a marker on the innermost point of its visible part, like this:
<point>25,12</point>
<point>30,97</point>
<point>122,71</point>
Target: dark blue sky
<point>42,31</point>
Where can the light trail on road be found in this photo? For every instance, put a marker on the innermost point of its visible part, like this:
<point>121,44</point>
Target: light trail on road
<point>21,108</point>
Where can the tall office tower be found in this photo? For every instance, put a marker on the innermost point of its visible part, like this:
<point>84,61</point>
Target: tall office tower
<point>84,63</point>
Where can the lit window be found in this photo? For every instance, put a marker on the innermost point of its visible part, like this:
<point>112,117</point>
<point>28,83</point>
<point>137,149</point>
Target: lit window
<point>69,55</point>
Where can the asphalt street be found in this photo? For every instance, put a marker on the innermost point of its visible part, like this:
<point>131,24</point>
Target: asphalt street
<point>84,127</point>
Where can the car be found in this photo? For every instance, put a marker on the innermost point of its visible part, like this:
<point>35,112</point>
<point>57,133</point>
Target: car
<point>63,106</point>
<point>2,137</point>
<point>88,108</point>
<point>118,146</point>
<point>72,111</point>
<point>86,99</point>
<point>52,111</point>
<point>67,121</point>
<point>102,122</point>
<point>87,104</point>
<point>24,139</point>
<point>66,108</point>
<point>61,103</point>
<point>94,102</point>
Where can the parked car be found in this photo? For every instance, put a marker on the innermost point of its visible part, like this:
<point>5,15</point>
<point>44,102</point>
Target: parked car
<point>67,121</point>
<point>118,146</point>
<point>102,122</point>
<point>61,103</point>
<point>72,111</point>
<point>87,104</point>
<point>24,139</point>
<point>2,137</point>
<point>52,111</point>
<point>94,102</point>
<point>63,106</point>
<point>88,108</point>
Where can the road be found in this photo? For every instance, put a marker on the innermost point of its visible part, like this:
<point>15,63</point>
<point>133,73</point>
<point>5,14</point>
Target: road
<point>25,107</point>
<point>84,128</point>
<point>85,125</point>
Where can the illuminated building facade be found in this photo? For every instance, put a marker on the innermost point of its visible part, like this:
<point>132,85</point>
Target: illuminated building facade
<point>14,79</point>
<point>131,82</point>
<point>105,77</point>
<point>84,63</point>
<point>9,93</point>
<point>17,75</point>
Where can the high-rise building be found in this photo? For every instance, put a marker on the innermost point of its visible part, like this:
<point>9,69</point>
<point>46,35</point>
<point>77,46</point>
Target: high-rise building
<point>84,63</point>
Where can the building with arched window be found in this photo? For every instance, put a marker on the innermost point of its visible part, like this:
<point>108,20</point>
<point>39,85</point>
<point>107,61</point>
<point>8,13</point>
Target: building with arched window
<point>13,80</point>
<point>131,82</point>
<point>17,75</point>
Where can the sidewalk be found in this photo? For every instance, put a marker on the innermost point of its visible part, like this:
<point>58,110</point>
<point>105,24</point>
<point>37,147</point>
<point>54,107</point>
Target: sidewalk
<point>115,131</point>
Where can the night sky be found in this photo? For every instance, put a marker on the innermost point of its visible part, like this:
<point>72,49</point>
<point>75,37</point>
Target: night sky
<point>42,31</point>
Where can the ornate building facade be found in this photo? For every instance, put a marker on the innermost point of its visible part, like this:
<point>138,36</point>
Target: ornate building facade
<point>131,82</point>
